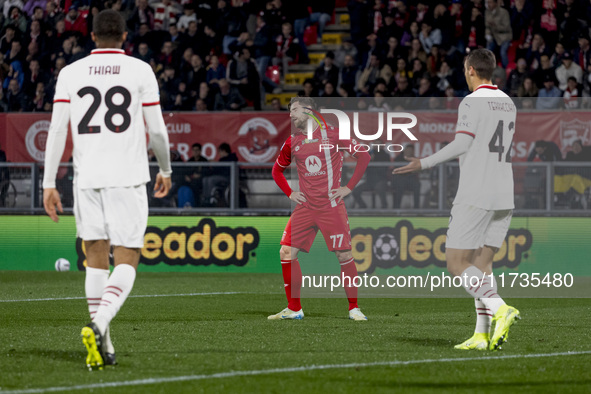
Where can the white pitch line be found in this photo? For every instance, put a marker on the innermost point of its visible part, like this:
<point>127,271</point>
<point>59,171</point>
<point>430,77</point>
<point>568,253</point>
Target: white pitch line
<point>133,296</point>
<point>233,374</point>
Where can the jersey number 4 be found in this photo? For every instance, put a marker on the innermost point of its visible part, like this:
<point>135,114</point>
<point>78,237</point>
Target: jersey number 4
<point>496,142</point>
<point>113,109</point>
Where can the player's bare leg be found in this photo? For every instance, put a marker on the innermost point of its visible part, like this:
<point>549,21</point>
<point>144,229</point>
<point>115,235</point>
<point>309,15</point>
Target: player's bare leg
<point>292,281</point>
<point>481,285</point>
<point>349,273</point>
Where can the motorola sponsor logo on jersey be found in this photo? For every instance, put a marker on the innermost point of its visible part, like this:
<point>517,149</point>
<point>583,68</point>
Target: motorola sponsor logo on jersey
<point>314,165</point>
<point>391,119</point>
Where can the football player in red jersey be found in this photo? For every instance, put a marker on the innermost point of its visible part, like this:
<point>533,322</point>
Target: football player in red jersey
<point>319,203</point>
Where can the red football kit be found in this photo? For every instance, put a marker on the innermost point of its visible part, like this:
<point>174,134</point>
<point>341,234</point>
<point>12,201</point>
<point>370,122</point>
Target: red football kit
<point>319,164</point>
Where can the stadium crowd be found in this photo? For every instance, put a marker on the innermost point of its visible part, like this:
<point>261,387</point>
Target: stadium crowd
<point>212,55</point>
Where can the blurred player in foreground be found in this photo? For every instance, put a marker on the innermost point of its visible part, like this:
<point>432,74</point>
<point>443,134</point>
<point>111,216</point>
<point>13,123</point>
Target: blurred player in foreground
<point>319,203</point>
<point>106,97</point>
<point>483,206</point>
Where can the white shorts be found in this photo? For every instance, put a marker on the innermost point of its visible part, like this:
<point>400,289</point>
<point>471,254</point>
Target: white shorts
<point>471,227</point>
<point>119,214</point>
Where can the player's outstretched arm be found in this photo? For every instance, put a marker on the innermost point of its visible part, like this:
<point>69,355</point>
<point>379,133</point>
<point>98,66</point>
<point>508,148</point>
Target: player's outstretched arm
<point>457,147</point>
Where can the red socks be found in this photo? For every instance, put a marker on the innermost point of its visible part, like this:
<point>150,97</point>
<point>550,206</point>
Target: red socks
<point>292,279</point>
<point>349,273</point>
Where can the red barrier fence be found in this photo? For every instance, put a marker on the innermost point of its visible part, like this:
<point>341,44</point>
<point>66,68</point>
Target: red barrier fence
<point>257,137</point>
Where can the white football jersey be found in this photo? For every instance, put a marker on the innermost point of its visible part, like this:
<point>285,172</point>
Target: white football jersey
<point>106,91</point>
<point>486,174</point>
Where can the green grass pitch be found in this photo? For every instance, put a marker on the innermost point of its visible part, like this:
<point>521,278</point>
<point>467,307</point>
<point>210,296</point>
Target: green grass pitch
<point>224,342</point>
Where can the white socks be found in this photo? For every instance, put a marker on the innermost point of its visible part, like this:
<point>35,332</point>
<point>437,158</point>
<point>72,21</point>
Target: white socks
<point>114,295</point>
<point>484,289</point>
<point>483,318</point>
<point>94,285</point>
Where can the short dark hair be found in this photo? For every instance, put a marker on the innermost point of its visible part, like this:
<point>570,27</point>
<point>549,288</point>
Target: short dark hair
<point>304,102</point>
<point>225,147</point>
<point>109,25</point>
<point>196,145</point>
<point>483,61</point>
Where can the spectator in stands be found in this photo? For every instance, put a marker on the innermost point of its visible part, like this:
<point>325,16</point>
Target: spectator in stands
<point>521,17</point>
<point>379,103</point>
<point>167,55</point>
<point>535,51</point>
<point>444,78</point>
<point>287,48</point>
<point>321,14</point>
<point>263,48</point>
<point>544,68</point>
<point>207,95</point>
<point>410,34</point>
<point>16,53</point>
<point>169,84</point>
<point>403,88</point>
<point>142,14</point>
<point>407,182</point>
<point>242,74</point>
<point>16,100</point>
<point>215,71</point>
<point>188,16</point>
<point>371,74</point>
<point>195,75</point>
<point>309,89</point>
<point>429,36</point>
<point>201,105</point>
<point>16,18</point>
<point>348,76</point>
<point>578,152</point>
<point>393,52</point>
<point>572,94</point>
<point>32,5</point>
<point>582,54</point>
<point>389,28</point>
<point>568,69</point>
<point>145,53</point>
<point>418,72</point>
<point>7,38</point>
<point>75,22</point>
<point>516,77</point>
<point>165,13</point>
<point>549,97</point>
<point>182,100</point>
<point>528,88</point>
<point>498,29</point>
<point>358,11</point>
<point>327,71</point>
<point>474,29</point>
<point>556,58</point>
<point>276,105</point>
<point>416,51</point>
<point>545,151</point>
<point>228,98</point>
<point>195,177</point>
<point>232,21</point>
<point>41,103</point>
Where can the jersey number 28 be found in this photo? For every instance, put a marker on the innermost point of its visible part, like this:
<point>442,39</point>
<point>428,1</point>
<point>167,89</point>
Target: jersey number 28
<point>113,109</point>
<point>496,142</point>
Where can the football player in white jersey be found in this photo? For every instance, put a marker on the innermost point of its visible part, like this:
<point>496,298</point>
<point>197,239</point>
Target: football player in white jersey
<point>483,206</point>
<point>106,97</point>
